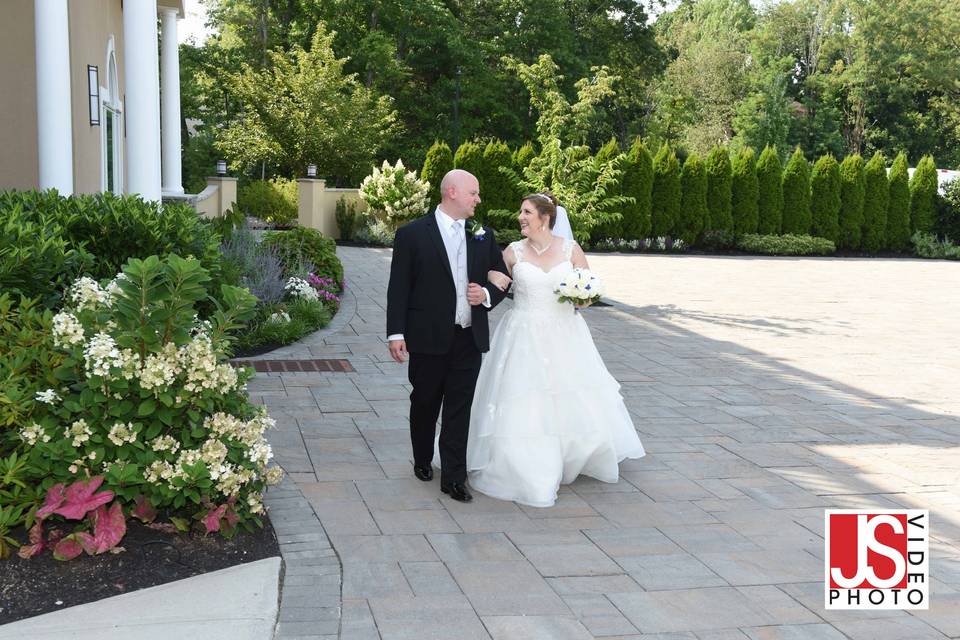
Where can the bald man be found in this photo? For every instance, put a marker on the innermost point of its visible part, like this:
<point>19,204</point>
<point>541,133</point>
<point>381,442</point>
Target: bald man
<point>437,314</point>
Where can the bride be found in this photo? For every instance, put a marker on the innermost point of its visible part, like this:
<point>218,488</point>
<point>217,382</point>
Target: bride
<point>546,409</point>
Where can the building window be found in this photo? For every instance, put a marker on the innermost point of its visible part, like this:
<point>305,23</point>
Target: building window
<point>111,121</point>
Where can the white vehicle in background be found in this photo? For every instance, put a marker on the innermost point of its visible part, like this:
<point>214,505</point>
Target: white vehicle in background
<point>944,177</point>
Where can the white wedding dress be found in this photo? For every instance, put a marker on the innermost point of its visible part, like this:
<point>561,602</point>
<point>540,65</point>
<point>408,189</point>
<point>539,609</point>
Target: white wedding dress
<point>545,409</point>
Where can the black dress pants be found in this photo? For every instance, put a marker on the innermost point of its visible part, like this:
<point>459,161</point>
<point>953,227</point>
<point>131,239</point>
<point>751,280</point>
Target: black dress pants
<point>446,380</point>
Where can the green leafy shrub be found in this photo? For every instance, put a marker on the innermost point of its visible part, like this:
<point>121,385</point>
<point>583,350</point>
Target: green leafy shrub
<point>35,258</point>
<point>948,213</point>
<point>666,191</point>
<point>374,231</point>
<point>770,188</point>
<point>469,157</point>
<point>301,245</point>
<point>719,182</point>
<point>438,162</point>
<point>115,228</point>
<point>923,196</point>
<point>145,398</point>
<point>786,245</point>
<point>637,181</point>
<point>347,218</point>
<point>506,236</point>
<point>898,211</point>
<point>280,324</point>
<point>875,203</point>
<point>825,198</point>
<point>853,186</point>
<point>744,192</point>
<point>927,245</point>
<point>274,201</point>
<point>693,199</point>
<point>796,195</point>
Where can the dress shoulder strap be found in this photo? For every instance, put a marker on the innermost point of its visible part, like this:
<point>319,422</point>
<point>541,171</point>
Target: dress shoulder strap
<point>517,247</point>
<point>568,249</point>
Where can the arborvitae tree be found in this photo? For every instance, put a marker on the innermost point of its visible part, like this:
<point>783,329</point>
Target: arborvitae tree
<point>666,192</point>
<point>637,181</point>
<point>469,157</point>
<point>853,187</point>
<point>744,192</point>
<point>719,182</point>
<point>796,195</point>
<point>898,209</point>
<point>496,188</point>
<point>607,153</point>
<point>523,156</point>
<point>693,199</point>
<point>825,198</point>
<point>923,196</point>
<point>438,162</point>
<point>875,202</point>
<point>770,197</point>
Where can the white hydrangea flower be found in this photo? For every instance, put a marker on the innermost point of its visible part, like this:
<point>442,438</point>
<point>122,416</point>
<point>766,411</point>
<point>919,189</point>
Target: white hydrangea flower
<point>48,397</point>
<point>161,369</point>
<point>273,475</point>
<point>279,318</point>
<point>34,433</point>
<point>67,330</point>
<point>85,293</point>
<point>101,355</point>
<point>255,502</point>
<point>121,434</point>
<point>165,443</point>
<point>79,432</point>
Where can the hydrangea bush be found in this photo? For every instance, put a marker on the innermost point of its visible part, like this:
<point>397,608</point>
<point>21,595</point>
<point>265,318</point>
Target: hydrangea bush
<point>146,399</point>
<point>395,193</point>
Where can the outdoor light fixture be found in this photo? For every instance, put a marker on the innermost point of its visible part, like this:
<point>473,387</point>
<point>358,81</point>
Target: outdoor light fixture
<point>311,171</point>
<point>93,89</point>
<point>221,167</point>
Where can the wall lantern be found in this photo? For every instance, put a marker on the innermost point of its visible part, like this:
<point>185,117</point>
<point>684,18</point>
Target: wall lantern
<point>311,171</point>
<point>93,89</point>
<point>221,167</point>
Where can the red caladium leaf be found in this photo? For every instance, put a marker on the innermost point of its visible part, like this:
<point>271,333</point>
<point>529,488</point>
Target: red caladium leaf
<point>36,545</point>
<point>212,519</point>
<point>80,498</point>
<point>231,517</point>
<point>109,527</point>
<point>55,497</point>
<point>68,548</point>
<point>86,541</point>
<point>144,511</point>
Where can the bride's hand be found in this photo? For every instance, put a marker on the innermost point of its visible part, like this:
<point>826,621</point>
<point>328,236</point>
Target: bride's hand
<point>499,280</point>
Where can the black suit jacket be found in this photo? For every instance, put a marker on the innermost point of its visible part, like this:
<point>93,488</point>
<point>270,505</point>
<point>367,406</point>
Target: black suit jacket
<point>422,297</point>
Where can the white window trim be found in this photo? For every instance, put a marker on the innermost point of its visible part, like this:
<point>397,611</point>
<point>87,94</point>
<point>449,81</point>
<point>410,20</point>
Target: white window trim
<point>111,107</point>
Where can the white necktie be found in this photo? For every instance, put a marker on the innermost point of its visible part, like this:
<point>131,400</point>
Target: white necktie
<point>459,273</point>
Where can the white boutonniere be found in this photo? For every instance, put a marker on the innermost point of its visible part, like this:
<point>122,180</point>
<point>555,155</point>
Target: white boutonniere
<point>476,230</point>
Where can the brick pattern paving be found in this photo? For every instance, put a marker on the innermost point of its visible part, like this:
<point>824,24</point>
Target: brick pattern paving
<point>296,366</point>
<point>764,390</point>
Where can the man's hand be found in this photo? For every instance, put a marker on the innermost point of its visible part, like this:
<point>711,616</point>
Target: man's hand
<point>398,350</point>
<point>475,294</point>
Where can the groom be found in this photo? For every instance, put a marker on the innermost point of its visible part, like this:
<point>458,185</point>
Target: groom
<point>437,313</point>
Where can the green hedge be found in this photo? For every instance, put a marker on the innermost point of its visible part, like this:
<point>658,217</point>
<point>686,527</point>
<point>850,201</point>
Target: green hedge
<point>666,192</point>
<point>719,185</point>
<point>57,231</point>
<point>637,181</point>
<point>496,189</point>
<point>923,196</point>
<point>853,187</point>
<point>786,245</point>
<point>898,211</point>
<point>770,199</point>
<point>825,198</point>
<point>875,202</point>
<point>693,202</point>
<point>438,162</point>
<point>796,195</point>
<point>274,200</point>
<point>745,193</point>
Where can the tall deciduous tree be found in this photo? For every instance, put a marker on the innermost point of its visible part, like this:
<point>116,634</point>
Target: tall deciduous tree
<point>303,109</point>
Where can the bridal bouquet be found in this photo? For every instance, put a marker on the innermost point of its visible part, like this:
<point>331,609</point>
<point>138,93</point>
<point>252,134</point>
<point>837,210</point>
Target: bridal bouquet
<point>580,287</point>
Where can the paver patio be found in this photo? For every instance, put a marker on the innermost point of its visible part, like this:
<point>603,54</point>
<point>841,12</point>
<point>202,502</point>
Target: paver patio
<point>764,390</point>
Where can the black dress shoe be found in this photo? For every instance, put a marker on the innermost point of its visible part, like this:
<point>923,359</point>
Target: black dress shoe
<point>423,473</point>
<point>458,491</point>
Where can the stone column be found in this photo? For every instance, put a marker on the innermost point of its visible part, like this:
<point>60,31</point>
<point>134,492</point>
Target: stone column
<point>142,104</point>
<point>54,116</point>
<point>170,102</point>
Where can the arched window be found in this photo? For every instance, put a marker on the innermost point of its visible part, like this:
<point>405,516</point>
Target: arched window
<point>111,119</point>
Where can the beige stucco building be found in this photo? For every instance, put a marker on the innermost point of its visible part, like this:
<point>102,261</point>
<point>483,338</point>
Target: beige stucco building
<point>87,97</point>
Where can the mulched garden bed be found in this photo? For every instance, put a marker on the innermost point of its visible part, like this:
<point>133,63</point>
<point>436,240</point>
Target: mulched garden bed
<point>31,587</point>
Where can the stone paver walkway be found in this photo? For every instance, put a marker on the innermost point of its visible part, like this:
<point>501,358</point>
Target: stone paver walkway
<point>765,391</point>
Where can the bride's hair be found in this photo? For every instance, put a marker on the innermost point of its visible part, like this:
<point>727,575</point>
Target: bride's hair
<point>545,204</point>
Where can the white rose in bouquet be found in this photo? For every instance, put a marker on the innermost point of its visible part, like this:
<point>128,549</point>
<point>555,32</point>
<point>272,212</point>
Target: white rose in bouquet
<point>579,287</point>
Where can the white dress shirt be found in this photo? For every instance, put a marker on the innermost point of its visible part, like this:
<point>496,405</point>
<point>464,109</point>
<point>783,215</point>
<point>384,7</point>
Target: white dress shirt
<point>453,233</point>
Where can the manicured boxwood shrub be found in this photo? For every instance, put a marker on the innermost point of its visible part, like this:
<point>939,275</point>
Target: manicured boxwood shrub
<point>786,245</point>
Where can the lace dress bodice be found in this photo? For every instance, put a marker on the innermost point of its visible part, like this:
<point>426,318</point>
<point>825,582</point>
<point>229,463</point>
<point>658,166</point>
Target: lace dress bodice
<point>533,287</point>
